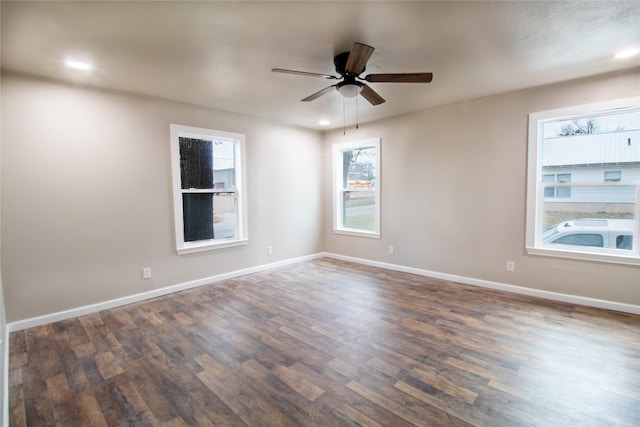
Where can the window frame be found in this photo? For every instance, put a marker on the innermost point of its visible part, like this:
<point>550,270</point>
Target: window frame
<point>338,190</point>
<point>536,188</point>
<point>176,132</point>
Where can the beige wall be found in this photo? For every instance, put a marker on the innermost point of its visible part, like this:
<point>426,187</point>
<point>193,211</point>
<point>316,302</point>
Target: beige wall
<point>453,192</point>
<point>3,313</point>
<point>86,195</point>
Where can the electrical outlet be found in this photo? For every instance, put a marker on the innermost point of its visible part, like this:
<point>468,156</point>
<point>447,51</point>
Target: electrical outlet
<point>269,250</point>
<point>511,267</point>
<point>146,273</point>
<point>390,250</point>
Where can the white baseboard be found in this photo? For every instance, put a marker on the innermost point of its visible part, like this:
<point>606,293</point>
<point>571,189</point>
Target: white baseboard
<point>79,311</point>
<point>555,296</point>
<point>105,305</point>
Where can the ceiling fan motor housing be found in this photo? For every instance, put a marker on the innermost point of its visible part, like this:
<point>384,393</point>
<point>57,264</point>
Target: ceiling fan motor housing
<point>349,87</point>
<point>340,62</point>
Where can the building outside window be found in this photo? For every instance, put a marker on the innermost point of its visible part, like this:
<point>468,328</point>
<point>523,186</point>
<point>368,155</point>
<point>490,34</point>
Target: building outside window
<point>583,192</point>
<point>356,207</point>
<point>209,198</point>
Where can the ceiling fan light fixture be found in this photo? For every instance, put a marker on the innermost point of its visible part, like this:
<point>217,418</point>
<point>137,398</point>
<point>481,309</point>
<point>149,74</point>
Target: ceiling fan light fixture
<point>349,89</point>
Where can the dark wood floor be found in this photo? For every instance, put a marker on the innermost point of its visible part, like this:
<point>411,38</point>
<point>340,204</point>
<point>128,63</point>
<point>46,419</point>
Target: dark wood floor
<point>328,343</point>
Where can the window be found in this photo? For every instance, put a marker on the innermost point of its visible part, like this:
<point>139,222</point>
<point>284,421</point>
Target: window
<point>624,242</point>
<point>557,192</point>
<point>583,189</point>
<point>208,193</point>
<point>356,207</point>
<point>612,176</point>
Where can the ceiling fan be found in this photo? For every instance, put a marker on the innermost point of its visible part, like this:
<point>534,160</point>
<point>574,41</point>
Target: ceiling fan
<point>350,65</point>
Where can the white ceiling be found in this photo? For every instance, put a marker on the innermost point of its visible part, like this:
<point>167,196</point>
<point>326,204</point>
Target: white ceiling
<point>220,54</point>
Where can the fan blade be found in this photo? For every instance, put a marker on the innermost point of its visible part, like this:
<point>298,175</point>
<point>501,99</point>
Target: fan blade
<point>358,57</point>
<point>400,78</point>
<point>318,94</point>
<point>303,73</point>
<point>371,95</point>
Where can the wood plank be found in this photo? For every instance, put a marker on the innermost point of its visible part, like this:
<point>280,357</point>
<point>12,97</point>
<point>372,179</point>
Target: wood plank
<point>17,414</point>
<point>247,404</point>
<point>298,382</point>
<point>436,380</point>
<point>416,415</point>
<point>90,411</point>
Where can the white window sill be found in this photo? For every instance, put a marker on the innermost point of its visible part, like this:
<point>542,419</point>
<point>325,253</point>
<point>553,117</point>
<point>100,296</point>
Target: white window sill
<point>358,233</point>
<point>630,259</point>
<point>209,245</point>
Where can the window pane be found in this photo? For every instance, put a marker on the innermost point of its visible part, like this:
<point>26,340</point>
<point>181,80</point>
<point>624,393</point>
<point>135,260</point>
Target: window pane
<point>225,218</point>
<point>583,150</point>
<point>208,165</point>
<point>549,191</point>
<point>563,192</point>
<point>359,210</point>
<point>197,215</point>
<point>612,176</point>
<point>224,165</point>
<point>359,168</point>
<point>359,173</point>
<point>196,163</point>
<point>624,242</point>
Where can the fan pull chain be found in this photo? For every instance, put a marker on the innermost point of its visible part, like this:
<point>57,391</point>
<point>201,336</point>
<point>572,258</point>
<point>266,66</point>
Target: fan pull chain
<point>344,117</point>
<point>356,111</point>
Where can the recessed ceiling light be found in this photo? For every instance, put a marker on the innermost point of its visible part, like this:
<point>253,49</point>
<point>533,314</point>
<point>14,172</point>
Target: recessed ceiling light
<point>324,122</point>
<point>627,53</point>
<point>78,65</point>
